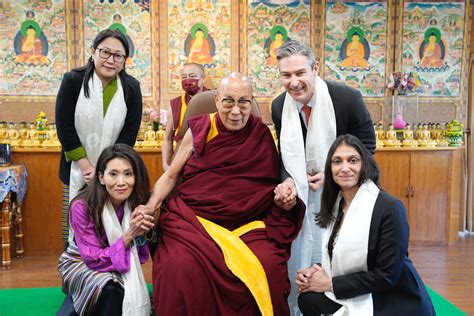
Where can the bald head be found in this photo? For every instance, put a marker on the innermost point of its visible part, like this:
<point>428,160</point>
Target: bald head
<point>236,78</point>
<point>194,68</point>
<point>233,100</point>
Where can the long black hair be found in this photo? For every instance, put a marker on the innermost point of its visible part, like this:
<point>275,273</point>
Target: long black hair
<point>89,67</point>
<point>95,194</point>
<point>369,171</point>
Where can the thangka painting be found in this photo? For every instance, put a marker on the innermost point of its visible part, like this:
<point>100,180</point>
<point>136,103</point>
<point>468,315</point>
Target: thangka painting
<point>433,37</point>
<point>198,32</point>
<point>355,50</point>
<point>270,24</point>
<point>33,50</point>
<point>132,18</point>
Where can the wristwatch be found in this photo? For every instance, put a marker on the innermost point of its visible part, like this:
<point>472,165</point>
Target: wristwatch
<point>139,241</point>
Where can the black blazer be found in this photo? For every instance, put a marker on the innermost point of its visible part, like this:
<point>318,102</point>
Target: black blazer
<point>396,287</point>
<point>352,116</point>
<point>66,107</point>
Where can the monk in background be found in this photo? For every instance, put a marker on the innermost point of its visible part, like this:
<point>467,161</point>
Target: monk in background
<point>224,242</point>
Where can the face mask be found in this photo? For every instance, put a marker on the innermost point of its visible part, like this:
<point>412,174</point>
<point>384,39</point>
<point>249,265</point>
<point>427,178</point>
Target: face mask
<point>190,85</point>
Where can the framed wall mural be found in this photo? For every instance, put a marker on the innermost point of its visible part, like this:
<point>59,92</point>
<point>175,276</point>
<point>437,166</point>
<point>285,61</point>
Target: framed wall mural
<point>432,46</point>
<point>356,45</point>
<point>133,19</point>
<point>199,32</point>
<point>270,24</point>
<point>33,48</point>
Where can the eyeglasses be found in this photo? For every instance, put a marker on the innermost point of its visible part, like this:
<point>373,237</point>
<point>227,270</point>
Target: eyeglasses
<point>105,54</point>
<point>227,102</point>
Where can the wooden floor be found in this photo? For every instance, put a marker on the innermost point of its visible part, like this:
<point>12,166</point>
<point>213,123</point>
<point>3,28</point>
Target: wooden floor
<point>447,270</point>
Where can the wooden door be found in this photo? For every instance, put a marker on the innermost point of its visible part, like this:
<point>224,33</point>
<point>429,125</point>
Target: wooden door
<point>395,173</point>
<point>153,163</point>
<point>429,196</point>
<point>41,209</point>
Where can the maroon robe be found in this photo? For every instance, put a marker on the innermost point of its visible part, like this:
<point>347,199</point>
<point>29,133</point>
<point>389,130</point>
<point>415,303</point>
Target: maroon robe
<point>175,105</point>
<point>229,181</point>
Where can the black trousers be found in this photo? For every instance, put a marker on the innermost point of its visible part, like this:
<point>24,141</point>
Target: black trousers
<point>312,304</point>
<point>109,302</point>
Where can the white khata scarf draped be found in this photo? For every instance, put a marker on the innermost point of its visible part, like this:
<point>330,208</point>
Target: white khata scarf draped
<point>95,131</point>
<point>298,161</point>
<point>136,301</point>
<point>351,248</point>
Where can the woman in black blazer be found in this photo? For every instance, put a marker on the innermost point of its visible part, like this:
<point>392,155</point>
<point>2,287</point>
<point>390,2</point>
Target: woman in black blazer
<point>102,86</point>
<point>365,269</point>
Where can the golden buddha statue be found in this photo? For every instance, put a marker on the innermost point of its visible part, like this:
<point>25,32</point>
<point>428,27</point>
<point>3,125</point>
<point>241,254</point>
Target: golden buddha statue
<point>379,135</point>
<point>141,133</point>
<point>436,131</point>
<point>425,137</point>
<point>442,140</point>
<point>23,131</point>
<point>160,136</point>
<point>32,138</point>
<point>150,137</point>
<point>52,139</point>
<point>13,135</point>
<point>408,140</point>
<point>3,131</point>
<point>391,137</point>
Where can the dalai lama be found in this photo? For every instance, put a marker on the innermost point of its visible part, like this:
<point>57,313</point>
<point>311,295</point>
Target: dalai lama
<point>224,241</point>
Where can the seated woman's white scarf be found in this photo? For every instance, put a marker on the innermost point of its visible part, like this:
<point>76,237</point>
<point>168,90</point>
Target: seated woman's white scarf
<point>351,248</point>
<point>298,161</point>
<point>136,300</point>
<point>95,131</point>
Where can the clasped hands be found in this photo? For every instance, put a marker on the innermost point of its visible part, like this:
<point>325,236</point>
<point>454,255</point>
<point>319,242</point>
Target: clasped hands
<point>141,222</point>
<point>285,194</point>
<point>313,279</point>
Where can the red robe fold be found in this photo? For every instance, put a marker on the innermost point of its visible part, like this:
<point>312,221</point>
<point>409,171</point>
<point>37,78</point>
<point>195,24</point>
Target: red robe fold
<point>175,106</point>
<point>229,181</point>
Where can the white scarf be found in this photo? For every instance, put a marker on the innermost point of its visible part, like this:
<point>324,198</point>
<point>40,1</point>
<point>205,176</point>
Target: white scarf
<point>136,301</point>
<point>351,248</point>
<point>298,161</point>
<point>95,131</point>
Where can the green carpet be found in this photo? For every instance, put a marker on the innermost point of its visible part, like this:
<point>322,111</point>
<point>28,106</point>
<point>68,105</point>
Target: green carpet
<point>46,301</point>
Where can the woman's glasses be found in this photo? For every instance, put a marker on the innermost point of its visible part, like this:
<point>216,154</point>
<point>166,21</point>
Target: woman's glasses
<point>105,54</point>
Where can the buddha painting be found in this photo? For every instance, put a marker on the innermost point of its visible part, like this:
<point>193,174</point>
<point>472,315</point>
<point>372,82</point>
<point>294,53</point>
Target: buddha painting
<point>355,50</point>
<point>278,36</point>
<point>199,45</point>
<point>118,25</point>
<point>432,50</point>
<point>30,44</point>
